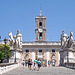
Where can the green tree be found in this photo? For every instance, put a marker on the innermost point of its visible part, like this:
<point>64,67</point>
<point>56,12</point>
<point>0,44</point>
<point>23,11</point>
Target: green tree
<point>2,51</point>
<point>1,56</point>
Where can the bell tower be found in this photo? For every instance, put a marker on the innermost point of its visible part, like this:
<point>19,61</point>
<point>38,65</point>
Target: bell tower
<point>40,30</point>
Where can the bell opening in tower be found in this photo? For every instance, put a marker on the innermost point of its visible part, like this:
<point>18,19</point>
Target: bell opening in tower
<point>40,24</point>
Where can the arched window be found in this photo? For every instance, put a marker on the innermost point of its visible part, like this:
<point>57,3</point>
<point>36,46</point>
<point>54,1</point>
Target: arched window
<point>53,56</point>
<point>40,24</point>
<point>26,57</point>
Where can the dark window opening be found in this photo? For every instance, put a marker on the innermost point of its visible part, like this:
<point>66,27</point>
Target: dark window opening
<point>40,51</point>
<point>53,51</point>
<point>26,51</point>
<point>40,24</point>
<point>40,35</point>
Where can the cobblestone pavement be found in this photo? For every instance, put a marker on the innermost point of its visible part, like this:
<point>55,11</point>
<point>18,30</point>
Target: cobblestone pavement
<point>42,71</point>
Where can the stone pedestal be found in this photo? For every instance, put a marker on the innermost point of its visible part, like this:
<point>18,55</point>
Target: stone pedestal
<point>67,56</point>
<point>15,56</point>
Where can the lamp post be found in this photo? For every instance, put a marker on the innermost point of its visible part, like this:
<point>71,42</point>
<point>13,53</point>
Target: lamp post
<point>15,51</point>
<point>5,41</point>
<point>67,57</point>
<point>15,54</point>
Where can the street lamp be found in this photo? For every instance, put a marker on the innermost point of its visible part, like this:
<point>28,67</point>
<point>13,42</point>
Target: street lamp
<point>15,51</point>
<point>5,41</point>
<point>67,57</point>
<point>15,54</point>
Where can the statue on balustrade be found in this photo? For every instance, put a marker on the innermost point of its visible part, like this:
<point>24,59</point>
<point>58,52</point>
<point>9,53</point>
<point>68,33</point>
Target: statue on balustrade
<point>64,38</point>
<point>17,43</point>
<point>18,40</point>
<point>11,40</point>
<point>70,41</point>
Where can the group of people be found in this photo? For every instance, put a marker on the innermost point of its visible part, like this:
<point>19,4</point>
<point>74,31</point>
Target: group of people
<point>36,63</point>
<point>44,63</point>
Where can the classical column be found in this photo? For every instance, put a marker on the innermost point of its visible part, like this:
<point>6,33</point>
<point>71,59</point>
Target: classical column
<point>47,56</point>
<point>33,55</point>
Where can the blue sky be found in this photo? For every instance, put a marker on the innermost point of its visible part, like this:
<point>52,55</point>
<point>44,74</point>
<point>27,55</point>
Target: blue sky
<point>20,14</point>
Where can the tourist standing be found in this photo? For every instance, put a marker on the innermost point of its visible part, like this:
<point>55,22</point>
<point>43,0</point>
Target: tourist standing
<point>49,63</point>
<point>42,62</point>
<point>29,63</point>
<point>45,63</point>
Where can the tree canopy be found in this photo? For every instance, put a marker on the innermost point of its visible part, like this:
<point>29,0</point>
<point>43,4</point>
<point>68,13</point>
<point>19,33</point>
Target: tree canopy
<point>2,52</point>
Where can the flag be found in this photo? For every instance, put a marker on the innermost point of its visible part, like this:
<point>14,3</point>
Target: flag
<point>38,38</point>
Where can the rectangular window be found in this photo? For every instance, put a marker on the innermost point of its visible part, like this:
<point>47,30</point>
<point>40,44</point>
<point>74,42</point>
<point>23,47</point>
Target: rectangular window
<point>40,51</point>
<point>27,51</point>
<point>53,51</point>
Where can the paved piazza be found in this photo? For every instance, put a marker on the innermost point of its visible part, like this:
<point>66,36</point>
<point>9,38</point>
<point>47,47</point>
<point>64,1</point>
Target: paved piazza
<point>42,71</point>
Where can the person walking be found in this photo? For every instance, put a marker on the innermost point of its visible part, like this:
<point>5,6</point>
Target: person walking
<point>23,64</point>
<point>35,63</point>
<point>39,64</point>
<point>43,63</point>
<point>29,63</point>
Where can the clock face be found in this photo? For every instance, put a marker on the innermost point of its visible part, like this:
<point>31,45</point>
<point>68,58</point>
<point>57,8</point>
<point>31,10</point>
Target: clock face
<point>40,30</point>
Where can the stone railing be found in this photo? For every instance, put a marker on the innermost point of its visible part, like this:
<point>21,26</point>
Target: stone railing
<point>42,43</point>
<point>70,65</point>
<point>5,67</point>
<point>37,43</point>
